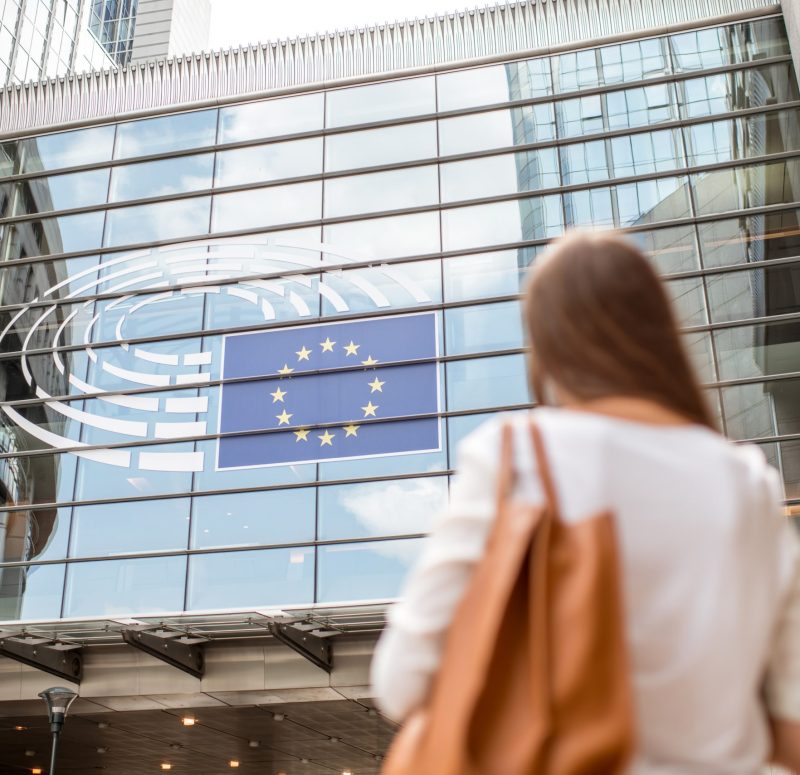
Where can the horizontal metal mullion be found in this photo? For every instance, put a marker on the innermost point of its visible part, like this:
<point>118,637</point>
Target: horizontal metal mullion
<point>217,550</point>
<point>226,491</point>
<point>359,367</point>
<point>686,169</point>
<point>365,264</point>
<point>147,443</point>
<point>318,320</point>
<point>266,230</point>
<point>439,359</point>
<point>402,120</point>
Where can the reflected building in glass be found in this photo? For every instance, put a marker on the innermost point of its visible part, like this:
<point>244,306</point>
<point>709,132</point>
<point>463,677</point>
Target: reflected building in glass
<point>47,39</point>
<point>242,336</point>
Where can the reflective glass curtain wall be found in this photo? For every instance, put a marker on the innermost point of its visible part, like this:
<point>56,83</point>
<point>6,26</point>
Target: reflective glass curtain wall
<point>113,23</point>
<point>311,217</point>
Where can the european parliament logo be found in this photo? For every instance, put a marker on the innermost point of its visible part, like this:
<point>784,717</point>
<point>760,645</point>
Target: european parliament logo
<point>330,392</point>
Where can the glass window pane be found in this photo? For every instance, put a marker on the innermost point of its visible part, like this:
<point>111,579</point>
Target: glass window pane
<point>634,61</point>
<point>750,238</point>
<point>162,221</point>
<point>263,163</point>
<point>51,235</point>
<point>753,351</point>
<point>496,129</point>
<point>166,133</point>
<point>480,275</point>
<point>271,118</point>
<point>589,209</point>
<point>31,592</point>
<point>577,70</point>
<point>265,207</point>
<point>242,519</point>
<point>161,178</point>
<point>639,107</point>
<point>497,175</point>
<point>34,534</point>
<point>650,201</point>
<point>688,301</point>
<point>66,149</point>
<point>740,188</point>
<point>483,328</point>
<point>271,577</point>
<point>401,235</point>
<point>580,116</point>
<point>57,192</point>
<point>737,90</point>
<point>127,528</point>
<point>672,249</point>
<point>388,145</point>
<point>487,383</point>
<point>500,223</point>
<point>381,101</point>
<point>365,571</point>
<point>499,83</point>
<point>762,409</point>
<point>584,162</point>
<point>646,153</point>
<point>106,587</point>
<point>402,507</point>
<point>376,191</point>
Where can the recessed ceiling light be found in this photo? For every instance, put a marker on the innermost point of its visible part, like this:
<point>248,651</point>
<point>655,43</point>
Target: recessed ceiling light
<point>166,766</point>
<point>102,750</point>
<point>346,772</point>
<point>102,725</point>
<point>188,721</point>
<point>233,763</point>
<point>278,717</point>
<point>253,743</point>
<point>30,753</point>
<point>19,728</point>
<point>36,771</point>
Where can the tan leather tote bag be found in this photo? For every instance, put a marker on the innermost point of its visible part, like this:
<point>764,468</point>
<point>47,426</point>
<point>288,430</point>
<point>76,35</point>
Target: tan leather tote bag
<point>534,678</point>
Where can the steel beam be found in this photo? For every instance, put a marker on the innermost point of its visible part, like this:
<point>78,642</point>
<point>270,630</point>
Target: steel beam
<point>60,661</point>
<point>314,648</point>
<point>183,656</point>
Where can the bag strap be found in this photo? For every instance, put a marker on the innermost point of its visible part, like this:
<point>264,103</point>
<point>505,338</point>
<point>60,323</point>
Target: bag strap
<point>545,473</point>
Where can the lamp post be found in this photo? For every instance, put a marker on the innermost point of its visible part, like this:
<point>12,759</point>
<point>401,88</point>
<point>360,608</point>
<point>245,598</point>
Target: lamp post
<point>58,700</point>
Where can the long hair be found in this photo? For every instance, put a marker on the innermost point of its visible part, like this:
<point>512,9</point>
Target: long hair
<point>600,324</point>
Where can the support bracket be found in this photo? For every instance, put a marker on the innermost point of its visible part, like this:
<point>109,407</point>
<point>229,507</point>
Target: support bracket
<point>186,657</point>
<point>62,662</point>
<point>313,647</point>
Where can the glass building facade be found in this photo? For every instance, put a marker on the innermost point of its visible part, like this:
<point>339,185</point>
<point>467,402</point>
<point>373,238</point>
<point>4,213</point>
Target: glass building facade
<point>113,23</point>
<point>239,346</point>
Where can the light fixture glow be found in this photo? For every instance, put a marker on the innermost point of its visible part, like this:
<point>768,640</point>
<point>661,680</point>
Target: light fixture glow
<point>166,766</point>
<point>19,728</point>
<point>188,721</point>
<point>36,771</point>
<point>233,763</point>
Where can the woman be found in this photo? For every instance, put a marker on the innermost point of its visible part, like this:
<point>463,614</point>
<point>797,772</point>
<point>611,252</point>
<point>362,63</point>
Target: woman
<point>711,568</point>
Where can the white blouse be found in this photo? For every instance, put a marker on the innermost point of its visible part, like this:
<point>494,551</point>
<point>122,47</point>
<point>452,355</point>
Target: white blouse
<point>711,579</point>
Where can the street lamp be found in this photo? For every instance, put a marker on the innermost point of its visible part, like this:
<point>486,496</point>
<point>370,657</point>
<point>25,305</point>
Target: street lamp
<point>58,700</point>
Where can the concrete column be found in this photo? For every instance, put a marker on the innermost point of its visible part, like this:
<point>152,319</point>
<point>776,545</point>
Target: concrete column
<point>791,13</point>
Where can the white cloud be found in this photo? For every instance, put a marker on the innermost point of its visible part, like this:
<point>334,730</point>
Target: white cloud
<point>235,22</point>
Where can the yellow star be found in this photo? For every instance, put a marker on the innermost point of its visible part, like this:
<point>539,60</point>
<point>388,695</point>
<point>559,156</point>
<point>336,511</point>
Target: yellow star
<point>285,369</point>
<point>303,353</point>
<point>302,434</point>
<point>283,417</point>
<point>369,409</point>
<point>351,430</point>
<point>278,395</point>
<point>376,384</point>
<point>327,345</point>
<point>370,361</point>
<point>326,438</point>
<point>352,349</point>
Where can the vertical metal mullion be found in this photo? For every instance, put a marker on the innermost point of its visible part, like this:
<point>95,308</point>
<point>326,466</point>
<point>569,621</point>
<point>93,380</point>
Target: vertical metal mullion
<point>79,461</point>
<point>193,482</point>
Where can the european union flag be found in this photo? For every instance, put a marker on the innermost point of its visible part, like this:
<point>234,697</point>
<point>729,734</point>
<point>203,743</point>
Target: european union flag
<point>330,375</point>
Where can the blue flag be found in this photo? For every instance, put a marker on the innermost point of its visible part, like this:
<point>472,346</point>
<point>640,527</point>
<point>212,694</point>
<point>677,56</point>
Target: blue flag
<point>330,415</point>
